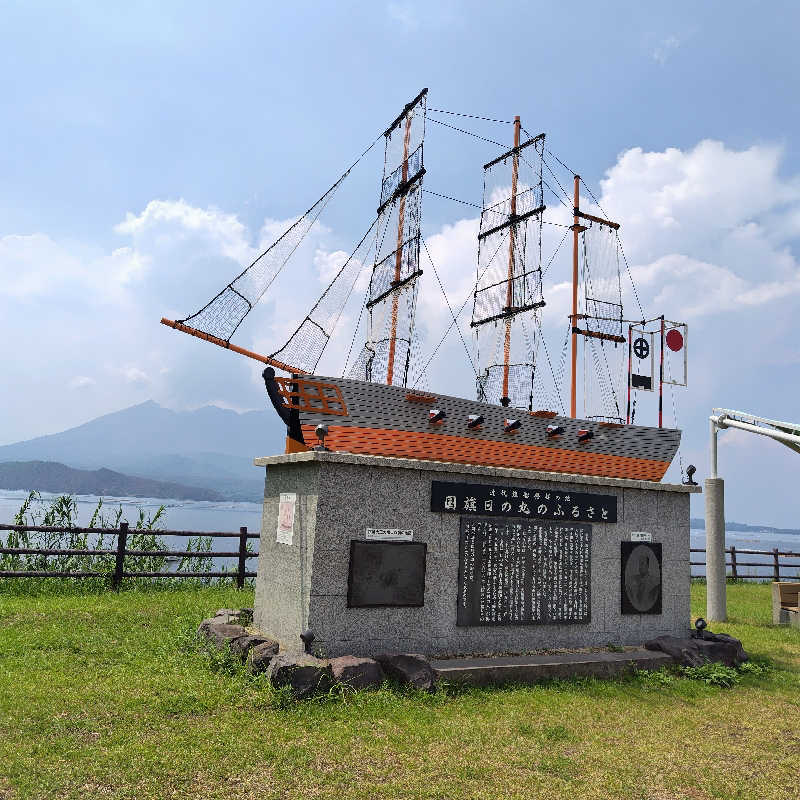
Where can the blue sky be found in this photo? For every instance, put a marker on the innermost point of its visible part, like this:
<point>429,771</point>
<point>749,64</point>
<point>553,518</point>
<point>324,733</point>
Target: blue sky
<point>150,148</point>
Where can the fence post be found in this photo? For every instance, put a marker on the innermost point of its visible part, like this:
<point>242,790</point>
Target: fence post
<point>119,566</point>
<point>242,557</point>
<point>733,562</point>
<point>777,566</point>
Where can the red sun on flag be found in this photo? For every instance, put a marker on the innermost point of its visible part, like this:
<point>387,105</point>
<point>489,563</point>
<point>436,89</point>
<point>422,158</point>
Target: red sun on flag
<point>674,340</point>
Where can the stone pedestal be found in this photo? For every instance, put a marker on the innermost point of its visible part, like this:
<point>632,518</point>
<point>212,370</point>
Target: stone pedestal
<point>317,503</point>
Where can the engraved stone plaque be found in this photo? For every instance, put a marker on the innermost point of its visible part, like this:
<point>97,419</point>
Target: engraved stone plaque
<point>641,578</point>
<point>386,574</point>
<point>523,572</point>
<point>492,500</point>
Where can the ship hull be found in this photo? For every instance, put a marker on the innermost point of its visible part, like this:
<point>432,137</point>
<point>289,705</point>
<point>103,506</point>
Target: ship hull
<point>376,419</point>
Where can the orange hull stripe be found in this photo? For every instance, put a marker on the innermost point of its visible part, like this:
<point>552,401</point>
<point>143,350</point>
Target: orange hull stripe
<point>462,450</point>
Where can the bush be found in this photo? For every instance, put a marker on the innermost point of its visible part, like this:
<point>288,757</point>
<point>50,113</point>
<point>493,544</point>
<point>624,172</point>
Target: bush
<point>62,512</point>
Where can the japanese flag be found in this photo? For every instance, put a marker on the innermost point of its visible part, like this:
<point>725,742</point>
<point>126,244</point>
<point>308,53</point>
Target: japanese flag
<point>676,336</point>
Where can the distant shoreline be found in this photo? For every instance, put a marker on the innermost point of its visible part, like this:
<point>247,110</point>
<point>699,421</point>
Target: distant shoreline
<point>52,476</point>
<point>697,523</point>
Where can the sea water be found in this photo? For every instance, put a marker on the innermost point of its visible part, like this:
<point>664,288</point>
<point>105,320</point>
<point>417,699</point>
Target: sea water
<point>178,515</point>
<point>753,540</point>
<point>200,515</point>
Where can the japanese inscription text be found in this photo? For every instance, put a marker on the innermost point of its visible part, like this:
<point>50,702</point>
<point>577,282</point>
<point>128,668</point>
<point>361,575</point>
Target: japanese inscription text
<point>513,501</point>
<point>523,572</point>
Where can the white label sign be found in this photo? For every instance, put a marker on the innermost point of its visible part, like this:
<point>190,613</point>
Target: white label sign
<point>641,536</point>
<point>390,534</point>
<point>286,506</point>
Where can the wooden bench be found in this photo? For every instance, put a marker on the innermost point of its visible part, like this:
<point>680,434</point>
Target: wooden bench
<point>786,604</point>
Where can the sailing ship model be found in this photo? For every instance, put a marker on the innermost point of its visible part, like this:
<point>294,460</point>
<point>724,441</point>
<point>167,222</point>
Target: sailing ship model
<point>375,408</point>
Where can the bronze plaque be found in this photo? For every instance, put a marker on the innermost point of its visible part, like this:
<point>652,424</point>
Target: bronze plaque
<point>386,574</point>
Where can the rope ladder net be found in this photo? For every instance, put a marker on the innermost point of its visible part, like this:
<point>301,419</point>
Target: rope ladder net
<point>508,289</point>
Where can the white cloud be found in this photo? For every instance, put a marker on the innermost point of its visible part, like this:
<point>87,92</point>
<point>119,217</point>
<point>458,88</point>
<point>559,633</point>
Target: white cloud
<point>170,222</point>
<point>133,374</point>
<point>404,14</point>
<point>82,382</point>
<point>34,265</point>
<point>665,48</point>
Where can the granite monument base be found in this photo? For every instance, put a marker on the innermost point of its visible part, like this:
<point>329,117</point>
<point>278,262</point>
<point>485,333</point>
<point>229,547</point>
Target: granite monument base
<point>377,555</point>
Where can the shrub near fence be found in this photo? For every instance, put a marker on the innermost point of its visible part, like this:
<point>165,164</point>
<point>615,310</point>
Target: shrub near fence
<point>116,571</point>
<point>777,561</point>
<point>45,541</point>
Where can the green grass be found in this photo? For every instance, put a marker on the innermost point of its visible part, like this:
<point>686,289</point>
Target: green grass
<point>100,696</point>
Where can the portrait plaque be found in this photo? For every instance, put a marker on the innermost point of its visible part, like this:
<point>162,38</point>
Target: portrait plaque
<point>386,574</point>
<point>523,572</point>
<point>641,578</point>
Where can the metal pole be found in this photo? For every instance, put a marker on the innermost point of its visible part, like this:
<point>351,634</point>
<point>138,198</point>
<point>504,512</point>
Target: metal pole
<point>628,414</point>
<point>714,488</point>
<point>576,229</point>
<point>713,421</point>
<point>506,398</point>
<point>661,380</point>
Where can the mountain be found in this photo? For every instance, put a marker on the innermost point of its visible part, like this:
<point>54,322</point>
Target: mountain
<point>700,524</point>
<point>50,476</point>
<point>209,447</point>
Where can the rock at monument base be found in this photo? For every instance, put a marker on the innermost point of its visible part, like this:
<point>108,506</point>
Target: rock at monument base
<point>357,673</point>
<point>220,633</point>
<point>244,644</point>
<point>691,652</point>
<point>304,674</point>
<point>408,668</point>
<point>260,656</point>
<point>225,616</point>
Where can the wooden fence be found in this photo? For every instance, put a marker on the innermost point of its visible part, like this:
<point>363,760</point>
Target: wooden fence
<point>773,565</point>
<point>121,551</point>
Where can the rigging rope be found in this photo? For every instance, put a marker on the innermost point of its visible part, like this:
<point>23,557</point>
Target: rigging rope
<point>460,311</point>
<point>471,116</point>
<point>304,348</point>
<point>461,130</point>
<point>449,308</point>
<point>549,362</point>
<point>223,314</point>
<point>454,199</point>
<point>630,277</point>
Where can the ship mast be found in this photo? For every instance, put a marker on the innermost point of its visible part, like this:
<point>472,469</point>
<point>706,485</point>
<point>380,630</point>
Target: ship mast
<point>398,261</point>
<point>508,290</point>
<point>505,399</point>
<point>391,299</point>
<point>577,229</point>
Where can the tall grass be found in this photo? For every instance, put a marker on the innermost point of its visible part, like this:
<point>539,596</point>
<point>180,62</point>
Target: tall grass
<point>62,512</point>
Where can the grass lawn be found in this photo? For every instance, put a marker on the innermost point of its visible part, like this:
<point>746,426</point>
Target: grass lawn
<point>100,697</point>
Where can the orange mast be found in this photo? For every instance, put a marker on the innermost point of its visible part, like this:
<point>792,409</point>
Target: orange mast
<point>505,399</point>
<point>576,229</point>
<point>398,258</point>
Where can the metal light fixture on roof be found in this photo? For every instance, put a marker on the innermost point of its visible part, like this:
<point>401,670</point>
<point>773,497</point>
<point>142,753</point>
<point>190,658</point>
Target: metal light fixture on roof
<point>322,431</point>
